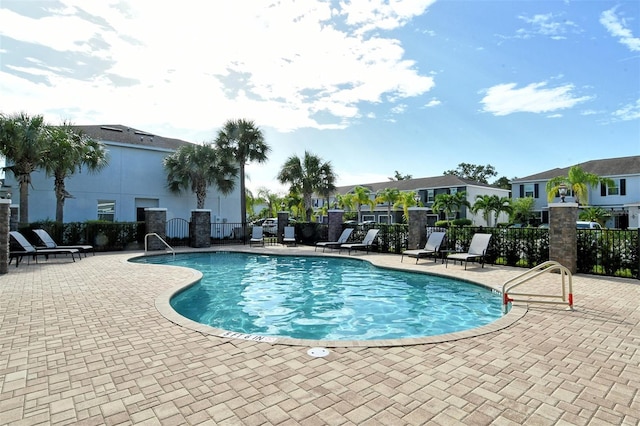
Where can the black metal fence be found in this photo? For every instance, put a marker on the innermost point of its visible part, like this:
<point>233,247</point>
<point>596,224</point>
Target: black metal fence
<point>610,252</point>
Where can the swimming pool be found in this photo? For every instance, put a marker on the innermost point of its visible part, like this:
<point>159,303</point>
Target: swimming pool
<point>323,298</point>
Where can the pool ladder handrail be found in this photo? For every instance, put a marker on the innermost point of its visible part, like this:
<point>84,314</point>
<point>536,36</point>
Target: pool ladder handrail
<point>153,234</point>
<point>546,267</point>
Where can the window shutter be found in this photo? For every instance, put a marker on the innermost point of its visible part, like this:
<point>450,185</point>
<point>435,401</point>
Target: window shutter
<point>535,191</point>
<point>603,189</point>
<point>623,187</point>
<point>521,191</point>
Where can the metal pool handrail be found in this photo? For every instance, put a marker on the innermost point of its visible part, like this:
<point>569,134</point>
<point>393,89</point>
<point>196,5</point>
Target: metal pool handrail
<point>546,267</point>
<point>152,234</point>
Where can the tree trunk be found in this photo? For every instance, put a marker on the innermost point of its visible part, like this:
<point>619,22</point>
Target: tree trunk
<point>24,199</point>
<point>60,196</point>
<point>243,197</point>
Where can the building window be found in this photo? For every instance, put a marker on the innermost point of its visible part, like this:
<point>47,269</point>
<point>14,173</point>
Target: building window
<point>453,191</point>
<point>106,210</point>
<point>529,190</point>
<point>384,219</point>
<point>430,196</point>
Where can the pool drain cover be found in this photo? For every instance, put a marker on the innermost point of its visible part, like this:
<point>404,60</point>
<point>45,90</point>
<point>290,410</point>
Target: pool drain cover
<point>318,352</point>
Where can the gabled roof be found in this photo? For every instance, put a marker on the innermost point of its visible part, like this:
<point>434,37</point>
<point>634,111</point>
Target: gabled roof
<point>604,168</point>
<point>445,181</point>
<point>127,135</point>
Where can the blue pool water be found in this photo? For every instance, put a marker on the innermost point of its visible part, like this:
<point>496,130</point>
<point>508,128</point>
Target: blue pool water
<point>326,298</point>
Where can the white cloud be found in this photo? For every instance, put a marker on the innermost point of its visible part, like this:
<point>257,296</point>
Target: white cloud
<point>628,112</point>
<point>505,99</point>
<point>547,25</point>
<point>617,27</point>
<point>282,65</point>
<point>432,103</point>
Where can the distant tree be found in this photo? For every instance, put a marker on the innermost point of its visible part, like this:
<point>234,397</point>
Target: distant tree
<point>388,196</point>
<point>67,152</point>
<point>244,141</point>
<point>400,176</point>
<point>307,176</point>
<point>473,172</point>
<point>23,139</point>
<point>362,196</point>
<point>405,200</point>
<point>450,204</point>
<point>578,181</point>
<point>491,204</point>
<point>196,167</point>
<point>522,209</point>
<point>504,182</point>
<point>595,214</point>
<point>345,201</point>
<point>271,199</point>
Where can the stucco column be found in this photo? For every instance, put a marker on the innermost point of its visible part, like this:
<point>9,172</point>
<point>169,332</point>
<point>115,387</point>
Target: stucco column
<point>283,220</point>
<point>200,228</point>
<point>563,245</point>
<point>335,224</point>
<point>155,221</point>
<point>417,227</point>
<point>5,215</point>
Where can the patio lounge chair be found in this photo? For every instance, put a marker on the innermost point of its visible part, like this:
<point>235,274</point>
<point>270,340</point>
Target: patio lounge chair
<point>26,249</point>
<point>344,237</point>
<point>477,250</point>
<point>431,248</point>
<point>257,236</point>
<point>365,244</point>
<point>51,244</point>
<point>289,235</point>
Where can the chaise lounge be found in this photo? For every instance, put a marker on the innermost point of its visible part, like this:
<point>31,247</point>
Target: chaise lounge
<point>431,248</point>
<point>49,243</point>
<point>28,250</point>
<point>344,237</point>
<point>365,244</point>
<point>477,250</point>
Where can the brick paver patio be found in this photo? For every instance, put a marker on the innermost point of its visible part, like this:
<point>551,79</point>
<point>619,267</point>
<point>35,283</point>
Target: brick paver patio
<point>83,343</point>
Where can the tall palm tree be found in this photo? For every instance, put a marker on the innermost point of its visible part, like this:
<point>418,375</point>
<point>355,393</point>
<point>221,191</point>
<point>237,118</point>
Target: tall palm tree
<point>405,200</point>
<point>243,140</point>
<point>67,152</point>
<point>388,196</point>
<point>22,141</point>
<point>578,181</point>
<point>362,196</point>
<point>345,201</point>
<point>306,176</point>
<point>196,167</point>
<point>271,199</point>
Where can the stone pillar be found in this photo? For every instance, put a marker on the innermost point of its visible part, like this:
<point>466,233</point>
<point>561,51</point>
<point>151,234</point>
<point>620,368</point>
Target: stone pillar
<point>283,220</point>
<point>155,221</point>
<point>417,227</point>
<point>563,244</point>
<point>335,224</point>
<point>5,214</point>
<point>13,222</point>
<point>200,228</point>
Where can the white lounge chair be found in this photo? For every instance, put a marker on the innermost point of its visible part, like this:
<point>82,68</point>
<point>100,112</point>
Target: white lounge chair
<point>477,250</point>
<point>344,237</point>
<point>289,235</point>
<point>257,236</point>
<point>365,244</point>
<point>51,244</point>
<point>28,250</point>
<point>431,248</point>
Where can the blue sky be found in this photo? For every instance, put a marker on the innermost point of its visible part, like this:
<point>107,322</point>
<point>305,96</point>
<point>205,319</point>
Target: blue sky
<point>371,86</point>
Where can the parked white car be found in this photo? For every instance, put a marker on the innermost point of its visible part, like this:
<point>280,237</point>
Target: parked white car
<point>581,224</point>
<point>270,226</point>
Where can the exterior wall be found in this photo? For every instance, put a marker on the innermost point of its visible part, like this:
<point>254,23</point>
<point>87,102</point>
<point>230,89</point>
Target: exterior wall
<point>135,177</point>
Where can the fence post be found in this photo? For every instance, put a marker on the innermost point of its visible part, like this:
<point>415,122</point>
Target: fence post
<point>417,227</point>
<point>5,214</point>
<point>335,224</point>
<point>563,244</point>
<point>155,222</point>
<point>200,228</point>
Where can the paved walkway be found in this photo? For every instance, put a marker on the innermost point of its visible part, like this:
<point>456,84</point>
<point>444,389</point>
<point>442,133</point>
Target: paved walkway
<point>83,343</point>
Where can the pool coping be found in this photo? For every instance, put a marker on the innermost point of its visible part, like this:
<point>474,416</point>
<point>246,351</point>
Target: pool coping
<point>163,306</point>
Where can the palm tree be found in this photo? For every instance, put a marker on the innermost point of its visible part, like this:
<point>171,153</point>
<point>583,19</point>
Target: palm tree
<point>595,214</point>
<point>244,141</point>
<point>196,167</point>
<point>491,204</point>
<point>405,200</point>
<point>345,201</point>
<point>578,181</point>
<point>67,152</point>
<point>22,141</point>
<point>522,209</point>
<point>362,196</point>
<point>306,176</point>
<point>450,203</point>
<point>271,199</point>
<point>388,196</point>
